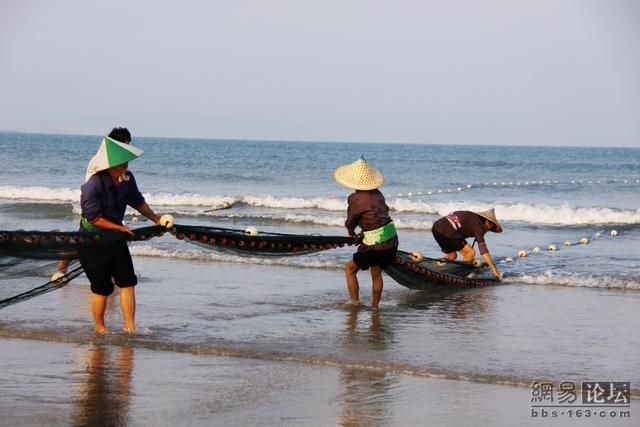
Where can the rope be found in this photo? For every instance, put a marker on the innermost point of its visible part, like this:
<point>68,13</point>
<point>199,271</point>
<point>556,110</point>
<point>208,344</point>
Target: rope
<point>553,247</point>
<point>42,245</point>
<point>416,276</point>
<point>492,184</point>
<point>63,246</point>
<point>47,287</point>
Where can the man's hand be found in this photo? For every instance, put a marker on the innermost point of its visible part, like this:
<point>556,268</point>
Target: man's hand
<point>126,229</point>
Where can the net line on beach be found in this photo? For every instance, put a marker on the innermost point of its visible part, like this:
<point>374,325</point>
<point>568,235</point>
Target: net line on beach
<point>437,276</point>
<point>251,241</point>
<point>27,257</point>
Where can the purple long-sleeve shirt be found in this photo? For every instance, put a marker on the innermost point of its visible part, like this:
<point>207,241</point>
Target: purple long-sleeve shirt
<point>101,198</point>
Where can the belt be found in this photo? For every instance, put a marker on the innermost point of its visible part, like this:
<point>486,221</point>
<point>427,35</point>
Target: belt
<point>454,221</point>
<point>87,226</point>
<point>379,235</point>
<point>453,224</point>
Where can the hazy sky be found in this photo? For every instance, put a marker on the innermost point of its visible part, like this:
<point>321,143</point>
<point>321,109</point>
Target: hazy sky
<point>539,72</point>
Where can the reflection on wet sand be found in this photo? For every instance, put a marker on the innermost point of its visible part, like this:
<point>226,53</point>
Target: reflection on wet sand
<point>104,394</point>
<point>457,306</point>
<point>369,395</point>
<point>366,393</point>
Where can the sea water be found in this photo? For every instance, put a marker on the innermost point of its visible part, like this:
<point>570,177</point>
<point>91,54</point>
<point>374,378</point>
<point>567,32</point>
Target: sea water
<point>569,314</point>
<point>542,196</point>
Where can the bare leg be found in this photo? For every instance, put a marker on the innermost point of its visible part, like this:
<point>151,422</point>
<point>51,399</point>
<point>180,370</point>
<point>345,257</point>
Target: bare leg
<point>62,266</point>
<point>350,271</point>
<point>468,253</point>
<point>98,306</point>
<point>376,289</point>
<point>451,256</point>
<point>61,270</point>
<point>128,305</point>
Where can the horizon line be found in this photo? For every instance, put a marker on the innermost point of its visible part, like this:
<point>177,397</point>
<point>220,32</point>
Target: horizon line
<point>239,139</point>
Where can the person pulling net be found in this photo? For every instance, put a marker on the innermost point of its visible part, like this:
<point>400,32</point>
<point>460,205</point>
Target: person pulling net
<point>29,257</point>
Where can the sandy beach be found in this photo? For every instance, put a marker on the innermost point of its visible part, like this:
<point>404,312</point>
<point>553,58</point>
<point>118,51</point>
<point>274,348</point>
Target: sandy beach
<point>237,122</point>
<point>102,384</point>
<point>214,350</point>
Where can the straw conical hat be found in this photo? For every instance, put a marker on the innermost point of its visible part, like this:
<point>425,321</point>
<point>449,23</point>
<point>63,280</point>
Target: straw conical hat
<point>112,153</point>
<point>358,175</point>
<point>491,216</point>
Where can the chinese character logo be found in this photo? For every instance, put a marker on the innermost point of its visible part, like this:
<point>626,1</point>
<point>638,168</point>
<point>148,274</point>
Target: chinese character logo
<point>606,393</point>
<point>541,392</point>
<point>567,393</point>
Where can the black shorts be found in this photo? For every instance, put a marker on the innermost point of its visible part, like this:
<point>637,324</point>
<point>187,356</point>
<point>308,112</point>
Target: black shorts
<point>116,269</point>
<point>381,258</point>
<point>450,240</point>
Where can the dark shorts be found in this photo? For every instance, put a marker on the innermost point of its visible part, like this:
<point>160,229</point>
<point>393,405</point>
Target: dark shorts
<point>449,239</point>
<point>381,258</point>
<point>116,269</point>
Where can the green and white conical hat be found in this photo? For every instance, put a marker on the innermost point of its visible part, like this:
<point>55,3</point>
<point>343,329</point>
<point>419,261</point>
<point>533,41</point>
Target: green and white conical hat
<point>112,153</point>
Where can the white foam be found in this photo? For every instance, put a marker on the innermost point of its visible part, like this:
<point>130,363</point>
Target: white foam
<point>413,224</point>
<point>564,214</point>
<point>45,194</point>
<point>560,214</point>
<point>578,280</point>
<point>437,208</point>
<point>214,256</point>
<point>330,221</point>
<point>325,203</point>
<point>187,199</point>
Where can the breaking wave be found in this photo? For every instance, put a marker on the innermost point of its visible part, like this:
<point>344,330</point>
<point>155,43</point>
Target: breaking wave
<point>559,214</point>
<point>577,280</point>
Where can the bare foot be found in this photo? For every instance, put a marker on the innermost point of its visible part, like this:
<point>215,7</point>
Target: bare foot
<point>129,331</point>
<point>57,276</point>
<point>100,330</point>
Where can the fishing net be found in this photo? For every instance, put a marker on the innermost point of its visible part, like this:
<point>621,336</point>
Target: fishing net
<point>32,257</point>
<point>28,257</point>
<point>436,276</point>
<point>260,243</point>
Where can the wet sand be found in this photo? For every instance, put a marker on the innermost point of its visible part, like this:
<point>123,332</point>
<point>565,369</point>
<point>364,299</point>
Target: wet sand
<point>228,344</point>
<point>47,383</point>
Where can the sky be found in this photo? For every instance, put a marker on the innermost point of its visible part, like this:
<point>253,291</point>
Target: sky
<point>505,72</point>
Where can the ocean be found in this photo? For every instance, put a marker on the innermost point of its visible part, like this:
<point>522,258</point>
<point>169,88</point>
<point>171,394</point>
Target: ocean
<point>240,340</point>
